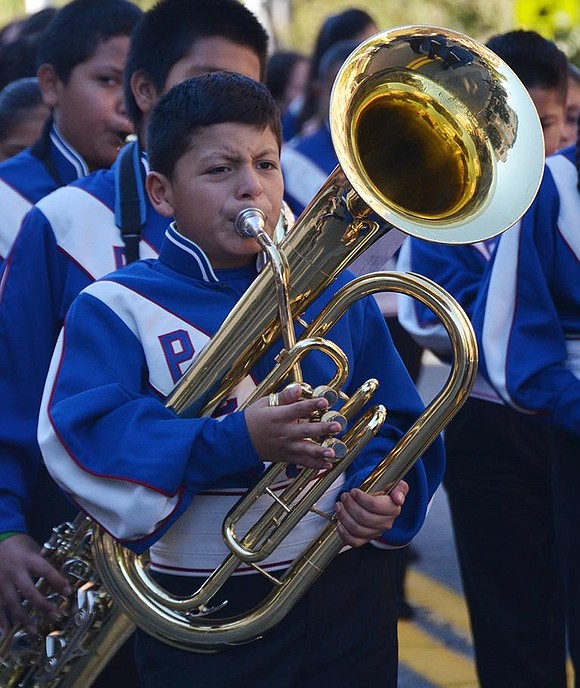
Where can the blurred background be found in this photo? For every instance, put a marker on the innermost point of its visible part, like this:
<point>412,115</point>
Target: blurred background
<point>294,23</point>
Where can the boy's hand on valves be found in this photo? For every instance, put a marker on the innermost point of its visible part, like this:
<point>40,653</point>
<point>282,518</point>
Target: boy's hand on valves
<point>362,517</point>
<point>276,430</point>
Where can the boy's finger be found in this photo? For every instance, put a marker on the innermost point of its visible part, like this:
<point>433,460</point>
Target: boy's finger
<point>288,395</point>
<point>55,580</point>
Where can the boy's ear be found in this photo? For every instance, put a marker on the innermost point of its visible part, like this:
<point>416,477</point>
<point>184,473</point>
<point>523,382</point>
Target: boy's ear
<point>160,193</point>
<point>144,92</point>
<point>50,85</point>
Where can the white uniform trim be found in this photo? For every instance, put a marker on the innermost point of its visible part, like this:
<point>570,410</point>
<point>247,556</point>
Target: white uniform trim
<point>565,176</point>
<point>93,244</point>
<point>139,319</point>
<point>302,178</point>
<point>13,208</point>
<point>135,503</point>
<point>194,544</point>
<point>500,312</point>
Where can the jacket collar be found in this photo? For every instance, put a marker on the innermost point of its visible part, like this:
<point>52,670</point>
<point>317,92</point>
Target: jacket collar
<point>185,256</point>
<point>62,162</point>
<point>68,162</point>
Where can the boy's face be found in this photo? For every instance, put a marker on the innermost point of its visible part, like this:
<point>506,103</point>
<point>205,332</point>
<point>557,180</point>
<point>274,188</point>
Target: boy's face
<point>210,54</point>
<point>229,167</point>
<point>24,133</point>
<point>89,110</point>
<point>551,110</point>
<point>570,133</point>
<point>214,54</point>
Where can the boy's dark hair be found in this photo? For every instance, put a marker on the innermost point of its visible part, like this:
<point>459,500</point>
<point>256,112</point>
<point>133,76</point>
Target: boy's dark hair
<point>342,26</point>
<point>335,56</point>
<point>15,99</point>
<point>168,31</point>
<point>75,32</point>
<point>200,102</point>
<point>537,61</point>
<point>279,70</point>
<point>19,44</point>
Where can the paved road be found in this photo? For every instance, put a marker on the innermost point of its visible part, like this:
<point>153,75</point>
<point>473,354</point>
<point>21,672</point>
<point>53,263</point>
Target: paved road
<point>435,648</point>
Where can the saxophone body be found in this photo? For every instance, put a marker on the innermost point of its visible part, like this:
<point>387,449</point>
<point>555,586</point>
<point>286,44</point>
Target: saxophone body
<point>73,651</point>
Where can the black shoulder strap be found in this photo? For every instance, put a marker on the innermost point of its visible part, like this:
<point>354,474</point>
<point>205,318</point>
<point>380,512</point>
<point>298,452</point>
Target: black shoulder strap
<point>130,208</point>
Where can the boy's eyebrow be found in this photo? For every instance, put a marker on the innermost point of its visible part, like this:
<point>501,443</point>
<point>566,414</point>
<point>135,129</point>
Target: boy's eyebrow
<point>105,65</point>
<point>229,153</point>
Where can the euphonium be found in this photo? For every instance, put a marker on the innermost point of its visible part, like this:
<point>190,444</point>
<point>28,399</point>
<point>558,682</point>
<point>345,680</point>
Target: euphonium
<point>429,129</point>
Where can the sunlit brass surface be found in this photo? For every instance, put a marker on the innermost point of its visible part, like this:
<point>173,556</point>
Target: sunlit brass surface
<point>451,154</point>
<point>177,620</point>
<point>437,134</point>
<point>436,137</point>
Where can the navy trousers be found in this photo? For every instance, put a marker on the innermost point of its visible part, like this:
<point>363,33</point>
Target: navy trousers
<point>499,481</point>
<point>343,633</point>
<point>566,462</point>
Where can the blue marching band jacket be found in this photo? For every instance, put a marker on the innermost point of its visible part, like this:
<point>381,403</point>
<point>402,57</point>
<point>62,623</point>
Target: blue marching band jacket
<point>459,269</point>
<point>526,315</point>
<point>66,241</point>
<point>31,175</point>
<point>152,478</point>
<point>306,163</point>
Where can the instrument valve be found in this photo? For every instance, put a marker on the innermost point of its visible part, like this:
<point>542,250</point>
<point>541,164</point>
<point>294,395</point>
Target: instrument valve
<point>334,417</point>
<point>339,447</point>
<point>325,392</point>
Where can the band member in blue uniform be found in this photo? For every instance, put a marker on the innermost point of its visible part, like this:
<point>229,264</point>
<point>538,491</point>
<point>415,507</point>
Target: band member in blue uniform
<point>528,325</point>
<point>307,160</point>
<point>494,455</point>
<point>22,116</point>
<point>155,479</point>
<point>73,236</point>
<point>81,54</point>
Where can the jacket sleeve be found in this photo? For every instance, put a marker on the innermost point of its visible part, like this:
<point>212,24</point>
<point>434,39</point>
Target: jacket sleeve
<point>519,317</point>
<point>29,325</point>
<point>375,356</point>
<point>110,442</point>
<point>458,269</point>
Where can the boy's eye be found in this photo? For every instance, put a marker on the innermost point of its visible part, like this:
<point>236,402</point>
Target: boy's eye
<point>267,165</point>
<point>219,169</point>
<point>109,80</point>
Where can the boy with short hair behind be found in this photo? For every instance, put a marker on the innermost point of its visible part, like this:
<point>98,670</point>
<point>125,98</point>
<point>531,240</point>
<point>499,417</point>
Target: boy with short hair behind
<point>81,56</point>
<point>495,454</point>
<point>543,69</point>
<point>152,478</point>
<point>527,321</point>
<point>69,239</point>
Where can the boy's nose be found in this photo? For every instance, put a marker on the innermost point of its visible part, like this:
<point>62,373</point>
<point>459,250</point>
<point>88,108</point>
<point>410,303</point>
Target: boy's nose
<point>121,113</point>
<point>250,184</point>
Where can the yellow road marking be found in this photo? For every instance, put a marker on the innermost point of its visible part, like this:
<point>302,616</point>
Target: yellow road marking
<point>422,652</point>
<point>429,658</point>
<point>440,600</point>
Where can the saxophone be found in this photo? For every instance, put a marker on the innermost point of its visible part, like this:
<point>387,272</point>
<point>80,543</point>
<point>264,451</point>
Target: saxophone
<point>73,651</point>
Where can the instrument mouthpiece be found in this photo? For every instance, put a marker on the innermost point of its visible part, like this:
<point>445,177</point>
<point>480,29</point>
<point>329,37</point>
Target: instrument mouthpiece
<point>250,222</point>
